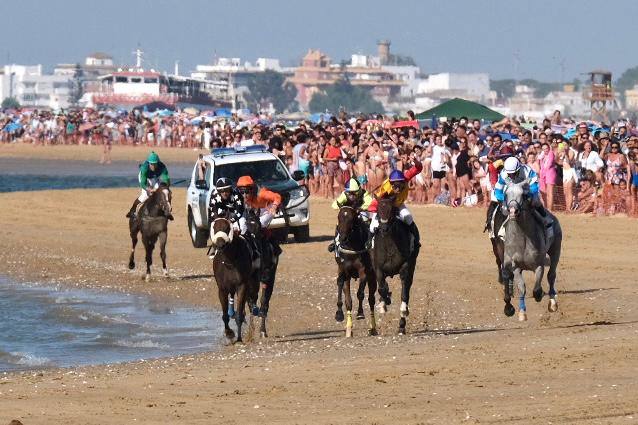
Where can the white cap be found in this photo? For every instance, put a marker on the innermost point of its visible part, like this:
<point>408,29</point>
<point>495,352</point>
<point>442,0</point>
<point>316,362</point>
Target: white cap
<point>512,164</point>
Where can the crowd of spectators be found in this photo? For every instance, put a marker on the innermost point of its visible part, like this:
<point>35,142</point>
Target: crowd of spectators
<point>583,167</point>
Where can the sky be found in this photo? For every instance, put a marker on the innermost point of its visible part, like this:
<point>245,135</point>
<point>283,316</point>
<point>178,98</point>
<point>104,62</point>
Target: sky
<point>555,40</point>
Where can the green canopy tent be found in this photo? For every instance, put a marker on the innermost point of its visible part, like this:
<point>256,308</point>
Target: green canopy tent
<point>461,108</point>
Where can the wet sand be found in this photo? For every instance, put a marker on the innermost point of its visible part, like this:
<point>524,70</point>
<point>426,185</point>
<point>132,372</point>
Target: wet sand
<point>462,361</point>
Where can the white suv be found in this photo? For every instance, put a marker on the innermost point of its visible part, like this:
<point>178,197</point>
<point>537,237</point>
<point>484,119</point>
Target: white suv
<point>267,171</point>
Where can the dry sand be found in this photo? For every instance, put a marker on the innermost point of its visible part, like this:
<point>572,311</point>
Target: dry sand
<point>463,361</point>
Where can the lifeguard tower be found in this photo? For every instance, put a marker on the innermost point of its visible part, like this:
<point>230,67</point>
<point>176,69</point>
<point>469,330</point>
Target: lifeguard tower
<point>599,94</point>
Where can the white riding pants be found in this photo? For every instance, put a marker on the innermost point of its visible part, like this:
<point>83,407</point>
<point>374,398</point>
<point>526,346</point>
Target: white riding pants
<point>143,196</point>
<point>403,214</point>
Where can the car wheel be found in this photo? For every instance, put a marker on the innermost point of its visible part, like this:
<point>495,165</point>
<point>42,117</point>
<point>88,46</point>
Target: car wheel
<point>198,237</point>
<point>302,233</point>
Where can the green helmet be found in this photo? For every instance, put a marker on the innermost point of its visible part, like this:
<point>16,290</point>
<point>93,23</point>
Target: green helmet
<point>153,158</point>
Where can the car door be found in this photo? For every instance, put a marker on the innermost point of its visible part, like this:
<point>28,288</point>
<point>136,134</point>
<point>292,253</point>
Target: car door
<point>198,194</point>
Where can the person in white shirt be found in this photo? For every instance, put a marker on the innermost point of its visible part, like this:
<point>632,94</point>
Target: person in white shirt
<point>438,165</point>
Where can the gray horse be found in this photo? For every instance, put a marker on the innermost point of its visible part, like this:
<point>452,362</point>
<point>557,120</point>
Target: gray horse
<point>527,244</point>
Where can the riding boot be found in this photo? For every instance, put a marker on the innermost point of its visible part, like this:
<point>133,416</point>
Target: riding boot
<point>333,244</point>
<point>131,212</point>
<point>544,216</point>
<point>370,242</point>
<point>490,213</point>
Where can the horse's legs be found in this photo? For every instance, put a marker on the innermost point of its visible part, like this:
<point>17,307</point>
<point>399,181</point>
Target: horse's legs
<point>149,246</point>
<point>240,303</point>
<point>162,241</point>
<point>372,288</point>
<point>498,255</point>
<point>339,313</point>
<point>361,294</point>
<point>406,274</point>
<point>223,300</point>
<point>538,289</point>
<point>520,282</point>
<point>384,292</point>
<point>554,256</point>
<point>348,300</point>
<point>507,291</point>
<point>131,260</point>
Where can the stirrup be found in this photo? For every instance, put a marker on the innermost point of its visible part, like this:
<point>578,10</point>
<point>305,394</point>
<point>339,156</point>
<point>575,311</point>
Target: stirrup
<point>331,247</point>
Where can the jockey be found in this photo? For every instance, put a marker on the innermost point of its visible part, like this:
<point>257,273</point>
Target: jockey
<point>353,196</point>
<point>493,169</point>
<point>265,202</point>
<point>515,172</point>
<point>152,171</point>
<point>397,185</point>
<point>227,200</point>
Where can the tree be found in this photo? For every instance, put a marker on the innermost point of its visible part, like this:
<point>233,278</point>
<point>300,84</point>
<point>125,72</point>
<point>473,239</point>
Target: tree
<point>503,88</point>
<point>627,81</point>
<point>270,87</point>
<point>76,88</point>
<point>343,95</point>
<point>10,103</point>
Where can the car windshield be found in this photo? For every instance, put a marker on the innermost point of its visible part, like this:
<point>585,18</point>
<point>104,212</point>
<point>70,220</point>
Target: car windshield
<point>260,171</point>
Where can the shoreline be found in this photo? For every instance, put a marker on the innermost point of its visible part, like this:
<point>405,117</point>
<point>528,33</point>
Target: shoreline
<point>459,356</point>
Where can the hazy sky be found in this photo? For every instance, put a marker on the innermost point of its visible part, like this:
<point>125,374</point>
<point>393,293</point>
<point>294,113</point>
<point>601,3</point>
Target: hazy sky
<point>459,36</point>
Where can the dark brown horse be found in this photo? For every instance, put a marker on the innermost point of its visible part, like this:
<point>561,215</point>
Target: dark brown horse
<point>234,273</point>
<point>394,251</point>
<point>353,261</point>
<point>152,222</point>
<point>496,222</point>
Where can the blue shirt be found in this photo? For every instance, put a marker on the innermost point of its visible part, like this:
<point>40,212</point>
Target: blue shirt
<point>504,179</point>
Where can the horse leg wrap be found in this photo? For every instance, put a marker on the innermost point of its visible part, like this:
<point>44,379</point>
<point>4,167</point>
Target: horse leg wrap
<point>348,324</point>
<point>405,311</point>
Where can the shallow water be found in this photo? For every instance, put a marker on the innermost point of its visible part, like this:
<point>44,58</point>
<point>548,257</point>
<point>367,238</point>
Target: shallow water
<point>44,326</point>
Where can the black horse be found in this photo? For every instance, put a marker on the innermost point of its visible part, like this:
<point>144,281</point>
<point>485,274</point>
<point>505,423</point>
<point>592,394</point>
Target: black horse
<point>395,251</point>
<point>268,251</point>
<point>354,262</point>
<point>495,220</point>
<point>152,222</point>
<point>234,272</point>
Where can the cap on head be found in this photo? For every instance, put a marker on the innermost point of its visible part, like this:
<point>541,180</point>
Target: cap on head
<point>223,183</point>
<point>245,181</point>
<point>397,176</point>
<point>352,186</point>
<point>153,158</point>
<point>512,165</point>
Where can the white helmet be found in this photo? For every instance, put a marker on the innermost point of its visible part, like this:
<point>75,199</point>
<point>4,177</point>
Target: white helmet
<point>512,165</point>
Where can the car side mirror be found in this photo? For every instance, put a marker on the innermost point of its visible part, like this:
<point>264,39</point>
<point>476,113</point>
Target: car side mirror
<point>201,184</point>
<point>298,175</point>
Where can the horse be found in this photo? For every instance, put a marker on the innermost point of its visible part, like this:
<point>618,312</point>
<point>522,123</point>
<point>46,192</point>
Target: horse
<point>394,251</point>
<point>234,272</point>
<point>152,222</point>
<point>353,261</point>
<point>269,252</point>
<point>526,246</point>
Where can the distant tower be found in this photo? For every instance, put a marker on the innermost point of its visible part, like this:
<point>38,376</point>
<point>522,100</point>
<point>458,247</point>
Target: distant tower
<point>384,51</point>
<point>600,93</point>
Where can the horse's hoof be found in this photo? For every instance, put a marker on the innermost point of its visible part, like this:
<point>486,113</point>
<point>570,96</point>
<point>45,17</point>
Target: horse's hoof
<point>360,315</point>
<point>509,310</point>
<point>538,295</point>
<point>263,334</point>
<point>131,265</point>
<point>239,342</point>
<point>522,316</point>
<point>405,311</point>
<point>372,332</point>
<point>552,307</point>
<point>147,278</point>
<point>381,307</point>
<point>229,334</point>
<point>339,316</point>
<point>401,331</point>
<point>165,272</point>
<point>348,332</point>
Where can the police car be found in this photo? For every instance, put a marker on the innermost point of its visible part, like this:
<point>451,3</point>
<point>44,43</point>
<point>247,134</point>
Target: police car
<point>267,171</point>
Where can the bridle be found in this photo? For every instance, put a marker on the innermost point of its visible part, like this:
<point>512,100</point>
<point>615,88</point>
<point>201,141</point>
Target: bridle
<point>346,238</point>
<point>228,237</point>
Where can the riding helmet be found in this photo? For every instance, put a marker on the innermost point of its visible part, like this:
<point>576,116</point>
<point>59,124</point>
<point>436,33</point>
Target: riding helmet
<point>397,176</point>
<point>153,158</point>
<point>352,186</point>
<point>512,164</point>
<point>223,183</point>
<point>245,181</point>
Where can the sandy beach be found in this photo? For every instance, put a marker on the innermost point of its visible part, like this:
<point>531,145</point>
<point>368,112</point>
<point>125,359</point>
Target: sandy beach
<point>462,361</point>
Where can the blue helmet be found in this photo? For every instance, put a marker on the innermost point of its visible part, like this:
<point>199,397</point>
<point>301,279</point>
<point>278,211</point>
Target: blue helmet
<point>397,176</point>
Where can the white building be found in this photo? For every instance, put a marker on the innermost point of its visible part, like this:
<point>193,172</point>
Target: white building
<point>447,85</point>
<point>34,89</point>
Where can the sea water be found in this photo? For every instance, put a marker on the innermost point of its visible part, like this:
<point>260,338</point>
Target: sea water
<point>46,326</point>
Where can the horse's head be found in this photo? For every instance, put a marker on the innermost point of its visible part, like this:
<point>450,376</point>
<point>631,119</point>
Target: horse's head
<point>346,220</point>
<point>221,232</point>
<point>385,209</point>
<point>164,198</point>
<point>516,197</point>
